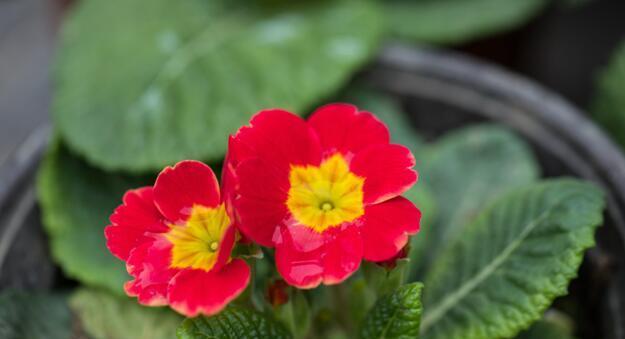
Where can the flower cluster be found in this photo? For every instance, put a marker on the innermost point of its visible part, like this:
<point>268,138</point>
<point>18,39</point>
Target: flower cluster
<point>325,193</point>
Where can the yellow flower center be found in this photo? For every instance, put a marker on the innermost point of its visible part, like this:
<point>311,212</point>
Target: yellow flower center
<point>325,196</point>
<point>196,243</point>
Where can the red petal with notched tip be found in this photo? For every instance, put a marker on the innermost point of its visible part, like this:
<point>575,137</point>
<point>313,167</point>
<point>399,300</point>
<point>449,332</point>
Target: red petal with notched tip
<point>306,258</point>
<point>278,137</point>
<point>179,188</point>
<point>298,256</point>
<point>194,292</point>
<point>148,264</point>
<point>342,128</point>
<point>387,226</point>
<point>387,169</point>
<point>131,220</point>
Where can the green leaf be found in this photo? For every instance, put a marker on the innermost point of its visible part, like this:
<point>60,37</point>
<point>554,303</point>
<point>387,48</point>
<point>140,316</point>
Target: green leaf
<point>465,170</point>
<point>106,316</point>
<point>511,263</point>
<point>609,102</point>
<point>457,21</point>
<point>76,201</point>
<point>397,315</point>
<point>141,84</point>
<point>34,316</point>
<point>233,323</point>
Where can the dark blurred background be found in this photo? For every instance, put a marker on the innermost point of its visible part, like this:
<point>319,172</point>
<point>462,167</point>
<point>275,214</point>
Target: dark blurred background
<point>563,48</point>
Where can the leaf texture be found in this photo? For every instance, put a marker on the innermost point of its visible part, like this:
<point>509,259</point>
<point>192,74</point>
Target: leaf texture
<point>233,323</point>
<point>141,84</point>
<point>511,263</point>
<point>465,170</point>
<point>396,315</point>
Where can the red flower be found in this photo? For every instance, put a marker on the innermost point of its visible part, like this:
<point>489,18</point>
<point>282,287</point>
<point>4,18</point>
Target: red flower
<point>176,239</point>
<point>324,192</point>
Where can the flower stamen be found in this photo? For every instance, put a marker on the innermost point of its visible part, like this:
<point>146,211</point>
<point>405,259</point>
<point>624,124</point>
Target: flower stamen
<point>196,243</point>
<point>327,206</point>
<point>326,195</point>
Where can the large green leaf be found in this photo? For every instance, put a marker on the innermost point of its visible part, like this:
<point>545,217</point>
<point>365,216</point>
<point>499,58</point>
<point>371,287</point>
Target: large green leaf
<point>141,84</point>
<point>465,170</point>
<point>233,323</point>
<point>609,102</point>
<point>511,263</point>
<point>34,316</point>
<point>106,316</point>
<point>396,315</point>
<point>76,201</point>
<point>456,21</point>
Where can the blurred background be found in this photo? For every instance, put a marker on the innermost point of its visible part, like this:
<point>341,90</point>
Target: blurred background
<point>563,46</point>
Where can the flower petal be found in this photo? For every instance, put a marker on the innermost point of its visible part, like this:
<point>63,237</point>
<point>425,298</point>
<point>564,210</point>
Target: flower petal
<point>149,265</point>
<point>342,128</point>
<point>186,184</point>
<point>298,256</point>
<point>225,247</point>
<point>194,292</point>
<point>343,253</point>
<point>278,137</point>
<point>387,169</point>
<point>306,258</point>
<point>387,226</point>
<point>131,220</point>
<point>261,203</point>
<point>229,183</point>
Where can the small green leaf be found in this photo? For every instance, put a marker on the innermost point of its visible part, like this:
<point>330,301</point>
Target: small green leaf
<point>34,316</point>
<point>106,316</point>
<point>509,265</point>
<point>465,170</point>
<point>396,315</point>
<point>181,76</point>
<point>456,21</point>
<point>609,102</point>
<point>232,323</point>
<point>76,201</point>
